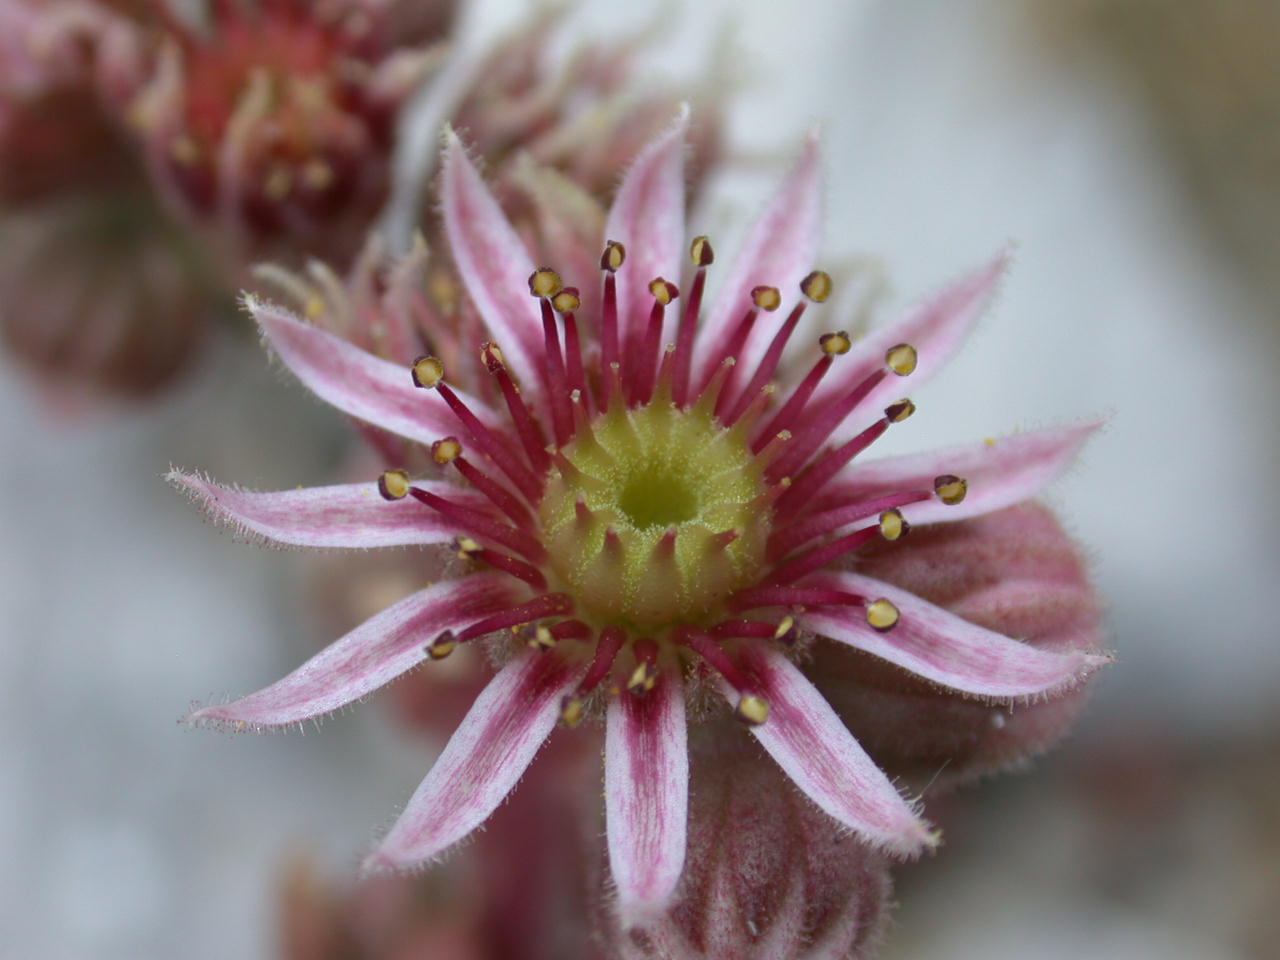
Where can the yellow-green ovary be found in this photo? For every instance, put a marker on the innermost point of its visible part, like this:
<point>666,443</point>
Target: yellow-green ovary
<point>643,473</point>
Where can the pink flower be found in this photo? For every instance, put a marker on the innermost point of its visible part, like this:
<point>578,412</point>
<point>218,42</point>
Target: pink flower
<point>649,527</point>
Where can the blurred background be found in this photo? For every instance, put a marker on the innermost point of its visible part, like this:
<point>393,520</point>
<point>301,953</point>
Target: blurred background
<point>1130,149</point>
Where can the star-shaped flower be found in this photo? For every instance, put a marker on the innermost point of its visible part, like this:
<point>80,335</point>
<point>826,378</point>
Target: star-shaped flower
<point>652,506</point>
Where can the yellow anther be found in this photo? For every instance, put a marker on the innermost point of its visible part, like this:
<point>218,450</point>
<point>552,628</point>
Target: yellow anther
<point>571,709</point>
<point>893,525</point>
<point>752,710</point>
<point>643,678</point>
<point>427,372</point>
<point>786,627</point>
<point>278,183</point>
<point>663,291</point>
<point>314,308</point>
<point>835,344</point>
<point>950,488</point>
<point>491,356</point>
<point>539,638</point>
<point>446,450</point>
<point>816,286</point>
<point>883,615</point>
<point>394,484</point>
<point>766,298</point>
<point>441,646</point>
<point>899,410</point>
<point>901,359</point>
<point>545,282</point>
<point>615,254</point>
<point>466,547</point>
<point>567,300</point>
<point>701,252</point>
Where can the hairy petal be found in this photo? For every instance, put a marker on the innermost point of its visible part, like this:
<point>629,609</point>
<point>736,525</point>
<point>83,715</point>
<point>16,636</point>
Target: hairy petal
<point>350,515</point>
<point>936,328</point>
<point>647,217</point>
<point>807,739</point>
<point>1000,473</point>
<point>939,646</point>
<point>647,794</point>
<point>379,650</point>
<point>367,387</point>
<point>493,262</point>
<point>484,758</point>
<point>780,250</point>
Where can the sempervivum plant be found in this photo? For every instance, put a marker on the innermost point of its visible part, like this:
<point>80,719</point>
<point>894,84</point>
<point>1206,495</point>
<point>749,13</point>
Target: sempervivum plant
<point>654,514</point>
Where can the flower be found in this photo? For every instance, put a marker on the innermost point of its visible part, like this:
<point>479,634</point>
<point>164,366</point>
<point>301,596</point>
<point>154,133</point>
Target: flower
<point>646,527</point>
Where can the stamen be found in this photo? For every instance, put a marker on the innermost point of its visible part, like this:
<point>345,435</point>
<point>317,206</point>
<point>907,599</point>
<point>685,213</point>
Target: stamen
<point>833,345</point>
<point>566,302</point>
<point>792,535</point>
<point>549,605</point>
<point>449,450</point>
<point>746,629</point>
<point>901,359</point>
<point>394,484</point>
<point>500,561</point>
<point>950,488</point>
<point>762,298</point>
<point>544,284</point>
<point>610,261</point>
<point>442,646</point>
<point>703,256</point>
<point>645,675</point>
<point>526,427</point>
<point>607,648</point>
<point>810,436</point>
<point>785,596</point>
<point>706,646</point>
<point>893,525</point>
<point>646,363</point>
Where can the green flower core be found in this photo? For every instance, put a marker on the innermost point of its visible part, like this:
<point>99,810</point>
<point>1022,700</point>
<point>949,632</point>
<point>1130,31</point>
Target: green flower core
<point>659,518</point>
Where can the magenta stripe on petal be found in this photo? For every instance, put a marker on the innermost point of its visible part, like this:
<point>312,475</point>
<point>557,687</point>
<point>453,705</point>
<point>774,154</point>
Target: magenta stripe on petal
<point>484,758</point>
<point>1000,473</point>
<point>939,646</point>
<point>349,515</point>
<point>780,250</point>
<point>379,650</point>
<point>811,745</point>
<point>647,218</point>
<point>356,382</point>
<point>936,329</point>
<point>494,264</point>
<point>647,795</point>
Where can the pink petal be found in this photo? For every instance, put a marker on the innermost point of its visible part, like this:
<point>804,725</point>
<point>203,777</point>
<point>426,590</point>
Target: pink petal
<point>647,795</point>
<point>349,515</point>
<point>484,758</point>
<point>1000,473</point>
<point>493,262</point>
<point>936,329</point>
<point>811,745</point>
<point>647,218</point>
<point>940,646</point>
<point>367,387</point>
<point>780,250</point>
<point>379,650</point>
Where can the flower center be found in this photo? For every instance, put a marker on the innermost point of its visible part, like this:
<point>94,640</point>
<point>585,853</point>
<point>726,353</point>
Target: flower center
<point>654,521</point>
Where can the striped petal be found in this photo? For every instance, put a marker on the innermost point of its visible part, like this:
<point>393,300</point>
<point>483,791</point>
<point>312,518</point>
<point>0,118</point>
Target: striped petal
<point>811,745</point>
<point>647,217</point>
<point>356,382</point>
<point>493,262</point>
<point>780,251</point>
<point>350,515</point>
<point>1000,473</point>
<point>484,758</point>
<point>936,329</point>
<point>940,646</point>
<point>647,795</point>
<point>379,650</point>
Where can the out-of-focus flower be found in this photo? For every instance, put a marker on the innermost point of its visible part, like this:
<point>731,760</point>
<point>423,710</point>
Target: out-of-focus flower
<point>273,122</point>
<point>648,528</point>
